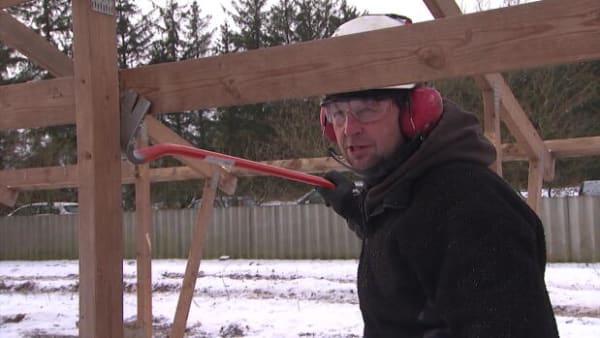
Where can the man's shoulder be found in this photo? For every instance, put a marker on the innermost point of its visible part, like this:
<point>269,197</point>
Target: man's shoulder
<point>463,180</point>
<point>460,171</point>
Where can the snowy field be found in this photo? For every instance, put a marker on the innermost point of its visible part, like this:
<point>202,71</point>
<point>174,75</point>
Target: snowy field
<point>249,298</point>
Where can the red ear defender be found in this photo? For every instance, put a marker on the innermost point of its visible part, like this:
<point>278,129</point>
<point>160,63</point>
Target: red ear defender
<point>423,111</point>
<point>326,127</point>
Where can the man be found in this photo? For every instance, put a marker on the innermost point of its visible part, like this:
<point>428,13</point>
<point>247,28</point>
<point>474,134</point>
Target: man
<point>448,248</point>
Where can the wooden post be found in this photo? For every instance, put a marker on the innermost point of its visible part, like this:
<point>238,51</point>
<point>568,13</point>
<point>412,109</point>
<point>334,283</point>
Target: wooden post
<point>491,123</point>
<point>8,196</point>
<point>100,233</point>
<point>203,218</point>
<point>534,184</point>
<point>143,231</point>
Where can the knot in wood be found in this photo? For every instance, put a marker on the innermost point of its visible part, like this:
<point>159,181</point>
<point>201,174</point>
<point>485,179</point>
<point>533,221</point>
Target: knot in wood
<point>432,56</point>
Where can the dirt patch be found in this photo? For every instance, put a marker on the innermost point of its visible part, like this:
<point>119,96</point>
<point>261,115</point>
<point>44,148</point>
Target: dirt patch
<point>233,330</point>
<point>28,286</point>
<point>44,334</point>
<point>12,318</point>
<point>576,311</point>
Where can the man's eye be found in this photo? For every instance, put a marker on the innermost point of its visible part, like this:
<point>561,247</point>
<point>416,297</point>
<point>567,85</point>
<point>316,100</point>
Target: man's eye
<point>363,112</point>
<point>338,114</point>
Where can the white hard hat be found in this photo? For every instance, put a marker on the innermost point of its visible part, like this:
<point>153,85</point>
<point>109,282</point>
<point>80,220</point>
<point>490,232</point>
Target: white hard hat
<point>372,22</point>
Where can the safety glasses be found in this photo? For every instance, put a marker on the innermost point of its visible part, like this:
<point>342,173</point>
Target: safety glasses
<point>362,110</point>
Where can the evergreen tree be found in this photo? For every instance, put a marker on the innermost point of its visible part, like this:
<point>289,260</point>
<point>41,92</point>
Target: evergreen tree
<point>133,35</point>
<point>282,20</point>
<point>250,17</point>
<point>225,43</point>
<point>318,19</point>
<point>10,60</point>
<point>167,47</point>
<point>197,36</point>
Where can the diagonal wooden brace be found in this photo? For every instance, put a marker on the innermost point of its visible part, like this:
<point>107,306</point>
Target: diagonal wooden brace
<point>203,218</point>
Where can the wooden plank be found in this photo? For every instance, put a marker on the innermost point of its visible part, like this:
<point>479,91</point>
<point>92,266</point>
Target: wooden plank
<point>143,240</point>
<point>203,218</point>
<point>66,177</point>
<point>44,178</point>
<point>159,133</point>
<point>100,230</point>
<point>560,148</point>
<point>513,115</point>
<point>491,124</point>
<point>9,3</point>
<point>499,40</point>
<point>535,180</point>
<point>47,178</point>
<point>521,127</point>
<point>37,104</point>
<point>8,196</point>
<point>442,8</point>
<point>32,45</point>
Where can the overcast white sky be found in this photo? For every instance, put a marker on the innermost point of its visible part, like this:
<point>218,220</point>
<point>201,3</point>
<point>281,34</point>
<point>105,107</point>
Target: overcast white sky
<point>415,9</point>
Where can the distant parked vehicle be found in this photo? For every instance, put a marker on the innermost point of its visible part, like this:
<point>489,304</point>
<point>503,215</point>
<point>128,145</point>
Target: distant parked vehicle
<point>311,197</point>
<point>590,188</point>
<point>43,208</point>
<point>226,202</point>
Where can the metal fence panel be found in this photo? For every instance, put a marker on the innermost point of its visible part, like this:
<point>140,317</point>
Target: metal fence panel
<point>572,226</point>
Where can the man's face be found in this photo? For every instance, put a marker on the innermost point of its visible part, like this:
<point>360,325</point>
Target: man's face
<point>367,130</point>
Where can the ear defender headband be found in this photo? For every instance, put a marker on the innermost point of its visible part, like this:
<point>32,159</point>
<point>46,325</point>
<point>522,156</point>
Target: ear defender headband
<point>417,117</point>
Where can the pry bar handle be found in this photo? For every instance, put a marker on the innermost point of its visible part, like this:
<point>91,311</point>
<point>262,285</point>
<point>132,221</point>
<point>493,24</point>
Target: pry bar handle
<point>149,153</point>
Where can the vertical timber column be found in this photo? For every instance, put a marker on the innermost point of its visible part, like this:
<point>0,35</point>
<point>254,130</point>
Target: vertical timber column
<point>100,237</point>
<point>143,240</point>
<point>535,181</point>
<point>491,123</point>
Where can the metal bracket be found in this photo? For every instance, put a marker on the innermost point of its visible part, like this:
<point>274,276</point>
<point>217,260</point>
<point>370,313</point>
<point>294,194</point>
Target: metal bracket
<point>104,6</point>
<point>133,109</point>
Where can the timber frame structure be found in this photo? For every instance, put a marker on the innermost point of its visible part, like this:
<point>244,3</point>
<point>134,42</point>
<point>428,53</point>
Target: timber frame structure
<point>87,88</point>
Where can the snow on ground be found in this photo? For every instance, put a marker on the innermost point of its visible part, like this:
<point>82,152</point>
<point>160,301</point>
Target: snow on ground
<point>250,298</point>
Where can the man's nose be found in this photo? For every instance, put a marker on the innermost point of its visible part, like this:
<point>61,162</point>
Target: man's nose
<point>352,125</point>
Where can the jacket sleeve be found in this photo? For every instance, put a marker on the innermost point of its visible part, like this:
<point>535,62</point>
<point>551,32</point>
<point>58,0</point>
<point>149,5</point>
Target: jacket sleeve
<point>354,215</point>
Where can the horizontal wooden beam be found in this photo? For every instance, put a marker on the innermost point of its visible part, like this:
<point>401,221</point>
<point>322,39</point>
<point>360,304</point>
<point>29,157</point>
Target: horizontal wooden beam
<point>32,45</point>
<point>37,104</point>
<point>9,3</point>
<point>66,177</point>
<point>563,148</point>
<point>493,41</point>
<point>45,178</point>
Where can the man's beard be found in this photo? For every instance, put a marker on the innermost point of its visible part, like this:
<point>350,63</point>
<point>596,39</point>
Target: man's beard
<point>386,165</point>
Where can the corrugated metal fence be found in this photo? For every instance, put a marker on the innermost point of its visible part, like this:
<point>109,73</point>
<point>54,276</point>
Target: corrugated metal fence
<point>284,232</point>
